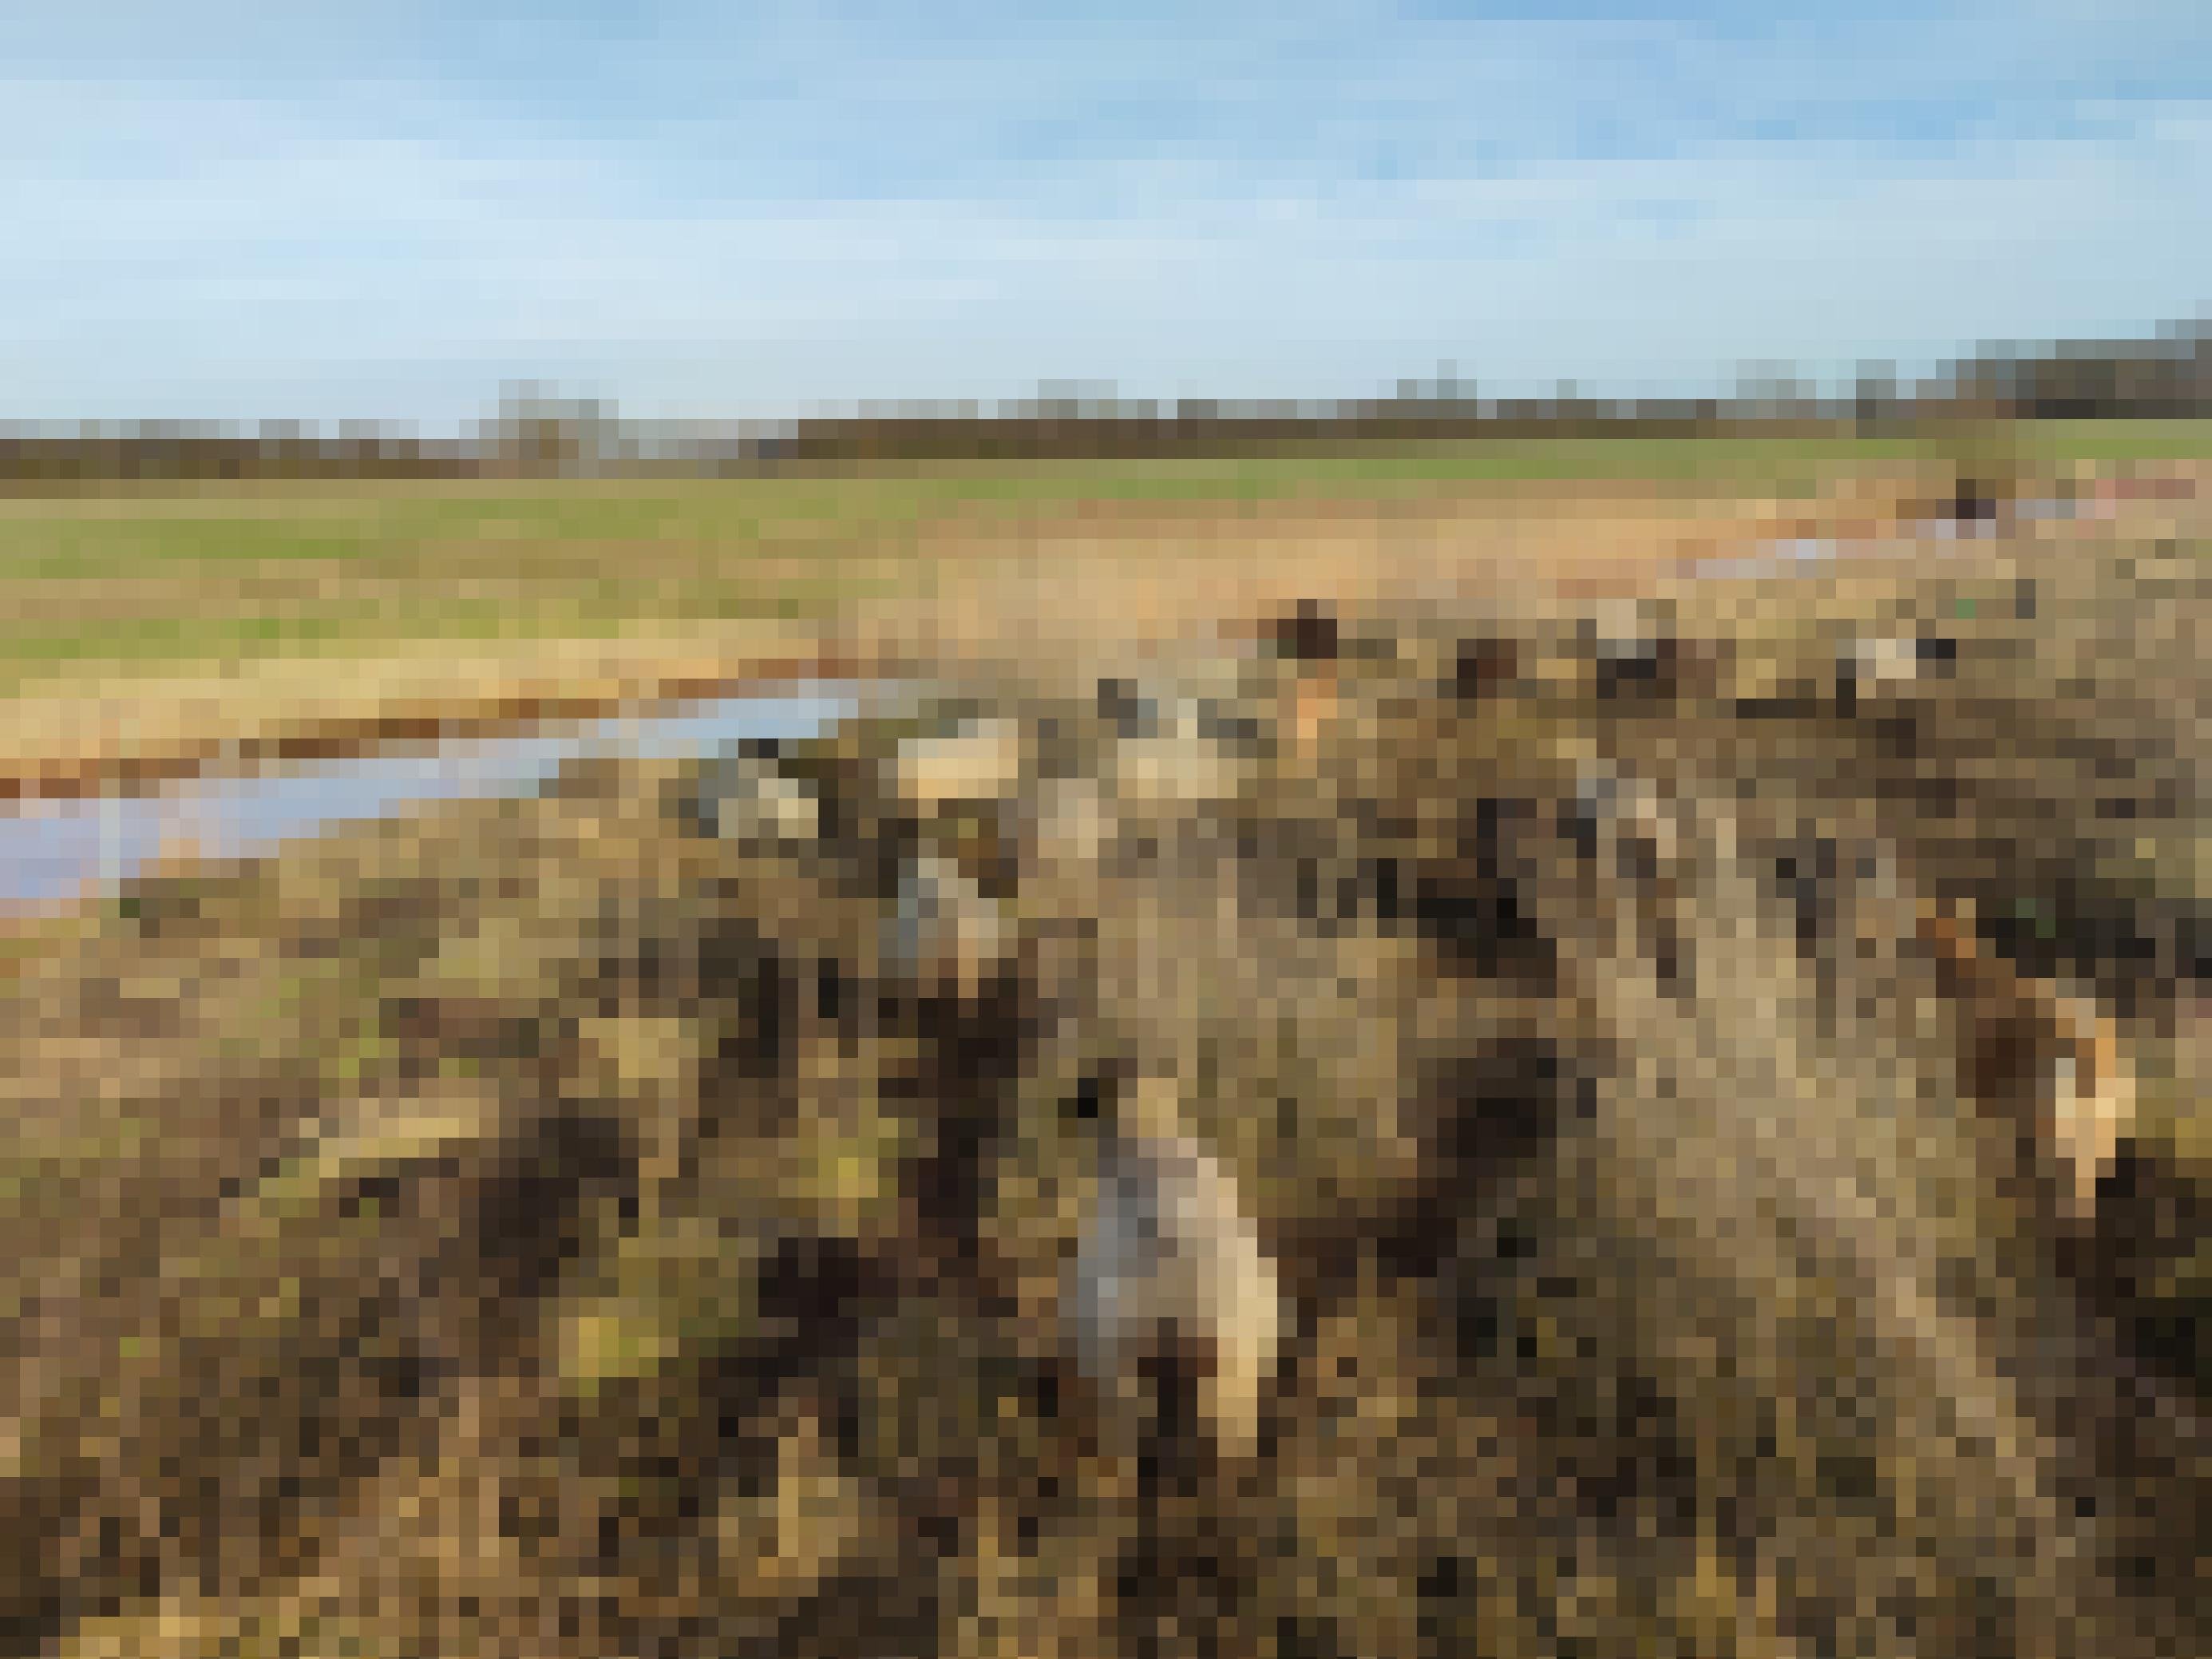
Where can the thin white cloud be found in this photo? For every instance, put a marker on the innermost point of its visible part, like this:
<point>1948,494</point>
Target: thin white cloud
<point>1333,205</point>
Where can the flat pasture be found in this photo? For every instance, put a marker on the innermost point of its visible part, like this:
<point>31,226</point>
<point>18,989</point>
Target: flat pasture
<point>153,621</point>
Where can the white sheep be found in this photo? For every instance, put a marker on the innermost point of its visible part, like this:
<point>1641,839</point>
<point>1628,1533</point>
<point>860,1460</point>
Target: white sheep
<point>1168,1245</point>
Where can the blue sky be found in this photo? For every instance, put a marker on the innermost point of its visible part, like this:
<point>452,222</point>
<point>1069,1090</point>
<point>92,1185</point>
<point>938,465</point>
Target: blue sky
<point>232,212</point>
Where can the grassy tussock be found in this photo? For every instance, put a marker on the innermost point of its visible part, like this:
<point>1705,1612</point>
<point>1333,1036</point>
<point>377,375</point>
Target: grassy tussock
<point>555,1227</point>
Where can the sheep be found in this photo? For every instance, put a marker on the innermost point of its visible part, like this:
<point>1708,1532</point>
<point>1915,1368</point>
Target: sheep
<point>2030,1049</point>
<point>1170,1246</point>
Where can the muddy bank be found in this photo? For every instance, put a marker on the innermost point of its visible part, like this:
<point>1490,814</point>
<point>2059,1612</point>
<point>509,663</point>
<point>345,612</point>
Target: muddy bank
<point>52,851</point>
<point>98,749</point>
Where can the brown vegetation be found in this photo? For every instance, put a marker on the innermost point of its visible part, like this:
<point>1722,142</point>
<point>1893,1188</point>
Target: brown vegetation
<point>650,1218</point>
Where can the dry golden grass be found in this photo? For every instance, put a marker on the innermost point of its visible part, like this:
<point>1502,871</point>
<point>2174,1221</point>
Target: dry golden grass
<point>672,1269</point>
<point>573,619</point>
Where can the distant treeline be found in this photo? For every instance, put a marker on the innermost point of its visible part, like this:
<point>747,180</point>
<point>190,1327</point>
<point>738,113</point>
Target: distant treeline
<point>535,435</point>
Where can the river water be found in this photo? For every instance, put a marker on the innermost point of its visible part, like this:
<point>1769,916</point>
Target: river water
<point>51,850</point>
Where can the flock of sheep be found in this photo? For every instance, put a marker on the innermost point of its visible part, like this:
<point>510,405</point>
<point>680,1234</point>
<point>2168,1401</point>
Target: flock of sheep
<point>1422,1132</point>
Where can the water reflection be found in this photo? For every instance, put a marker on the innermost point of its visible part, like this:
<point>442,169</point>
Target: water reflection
<point>50,849</point>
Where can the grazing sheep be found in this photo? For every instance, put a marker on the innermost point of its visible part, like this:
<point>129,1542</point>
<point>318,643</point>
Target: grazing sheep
<point>2030,1050</point>
<point>1168,1245</point>
<point>742,797</point>
<point>944,931</point>
<point>983,761</point>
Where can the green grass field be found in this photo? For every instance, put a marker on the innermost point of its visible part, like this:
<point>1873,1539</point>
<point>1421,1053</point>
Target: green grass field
<point>157,576</point>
